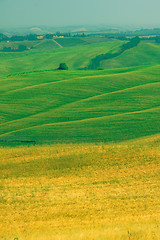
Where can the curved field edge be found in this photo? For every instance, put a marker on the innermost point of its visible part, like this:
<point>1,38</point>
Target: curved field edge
<point>67,191</point>
<point>104,129</point>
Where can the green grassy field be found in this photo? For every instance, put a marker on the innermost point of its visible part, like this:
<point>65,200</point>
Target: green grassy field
<point>49,44</point>
<point>36,59</point>
<point>14,45</point>
<point>81,106</point>
<point>89,167</point>
<point>144,54</point>
<point>70,42</point>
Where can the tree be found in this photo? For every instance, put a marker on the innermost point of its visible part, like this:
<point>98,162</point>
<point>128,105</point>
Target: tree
<point>21,48</point>
<point>7,49</point>
<point>132,43</point>
<point>62,66</point>
<point>31,37</point>
<point>49,36</point>
<point>157,39</point>
<point>3,37</point>
<point>58,34</point>
<point>17,38</point>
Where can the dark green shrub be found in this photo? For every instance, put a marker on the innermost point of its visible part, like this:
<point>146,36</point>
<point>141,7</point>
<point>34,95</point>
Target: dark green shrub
<point>62,66</point>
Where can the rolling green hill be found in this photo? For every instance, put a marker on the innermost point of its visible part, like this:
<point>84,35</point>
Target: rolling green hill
<point>36,59</point>
<point>70,42</point>
<point>50,44</point>
<point>45,45</point>
<point>41,104</point>
<point>14,45</point>
<point>80,106</point>
<point>77,57</point>
<point>143,54</point>
<point>89,167</point>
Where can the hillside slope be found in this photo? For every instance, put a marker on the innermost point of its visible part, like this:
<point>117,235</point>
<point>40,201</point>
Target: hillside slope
<point>81,106</point>
<point>81,191</point>
<point>75,57</point>
<point>143,54</point>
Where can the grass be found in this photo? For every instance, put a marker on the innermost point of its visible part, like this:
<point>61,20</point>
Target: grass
<point>95,39</point>
<point>70,42</point>
<point>144,54</point>
<point>80,149</point>
<point>74,41</point>
<point>45,45</point>
<point>46,55</point>
<point>80,106</point>
<point>49,44</point>
<point>36,59</point>
<point>83,191</point>
<point>15,45</point>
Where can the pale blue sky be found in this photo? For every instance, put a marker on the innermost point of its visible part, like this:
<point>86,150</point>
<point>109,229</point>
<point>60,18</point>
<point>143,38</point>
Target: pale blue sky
<point>75,12</point>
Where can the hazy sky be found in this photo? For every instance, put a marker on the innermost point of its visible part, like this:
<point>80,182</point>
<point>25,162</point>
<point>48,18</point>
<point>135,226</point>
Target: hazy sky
<point>78,12</point>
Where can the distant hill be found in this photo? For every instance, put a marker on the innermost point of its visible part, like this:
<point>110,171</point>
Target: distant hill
<point>46,55</point>
<point>82,29</point>
<point>143,54</point>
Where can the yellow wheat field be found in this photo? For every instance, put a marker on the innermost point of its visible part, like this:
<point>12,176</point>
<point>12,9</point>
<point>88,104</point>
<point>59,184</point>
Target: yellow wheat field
<point>85,191</point>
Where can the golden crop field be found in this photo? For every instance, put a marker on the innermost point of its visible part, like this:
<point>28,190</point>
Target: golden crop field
<point>81,191</point>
